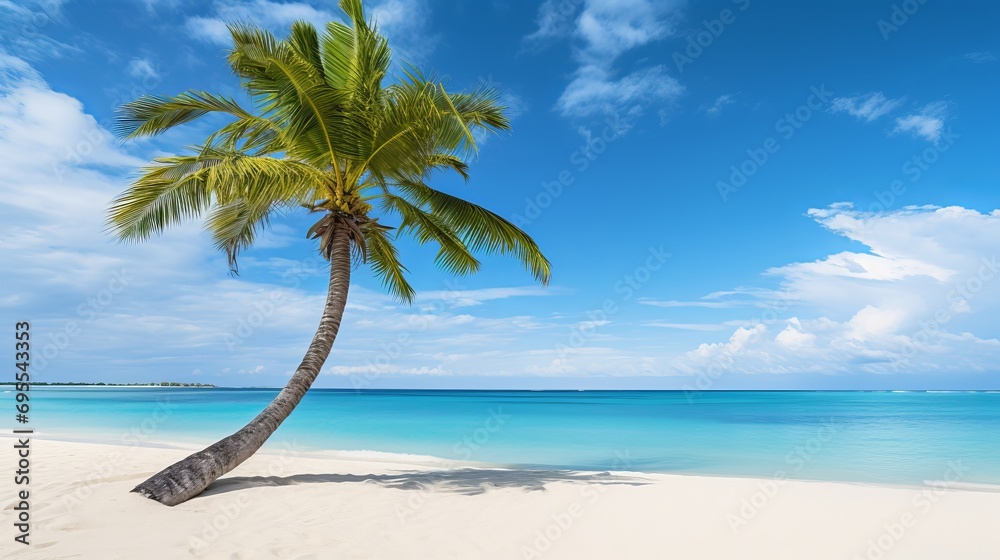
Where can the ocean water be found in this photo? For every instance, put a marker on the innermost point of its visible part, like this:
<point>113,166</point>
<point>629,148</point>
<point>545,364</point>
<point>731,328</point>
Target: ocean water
<point>877,437</point>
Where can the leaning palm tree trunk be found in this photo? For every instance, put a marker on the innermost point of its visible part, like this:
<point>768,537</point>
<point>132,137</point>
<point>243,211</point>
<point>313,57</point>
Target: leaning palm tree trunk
<point>189,477</point>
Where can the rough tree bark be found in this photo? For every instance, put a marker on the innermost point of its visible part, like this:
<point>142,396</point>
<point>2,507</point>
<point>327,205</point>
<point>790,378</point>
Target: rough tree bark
<point>189,477</point>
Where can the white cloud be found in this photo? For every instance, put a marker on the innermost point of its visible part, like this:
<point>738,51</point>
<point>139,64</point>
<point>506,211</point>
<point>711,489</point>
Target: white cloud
<point>928,123</point>
<point>922,299</point>
<point>274,16</point>
<point>593,91</point>
<point>398,14</point>
<point>980,57</point>
<point>676,303</point>
<point>715,109</point>
<point>794,338</point>
<point>867,107</point>
<point>604,30</point>
<point>212,30</point>
<point>739,297</point>
<point>142,68</point>
<point>555,19</point>
<point>609,28</point>
<point>424,370</point>
<point>468,298</point>
<point>685,326</point>
<point>25,26</point>
<point>48,128</point>
<point>402,21</point>
<point>515,104</point>
<point>153,5</point>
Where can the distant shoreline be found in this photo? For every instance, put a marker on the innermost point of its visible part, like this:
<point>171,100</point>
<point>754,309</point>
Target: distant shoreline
<point>101,384</point>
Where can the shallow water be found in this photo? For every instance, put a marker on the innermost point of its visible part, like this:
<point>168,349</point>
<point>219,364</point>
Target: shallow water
<point>884,437</point>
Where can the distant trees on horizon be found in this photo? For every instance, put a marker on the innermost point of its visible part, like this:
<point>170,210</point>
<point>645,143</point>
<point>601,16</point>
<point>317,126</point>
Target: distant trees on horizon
<point>103,384</point>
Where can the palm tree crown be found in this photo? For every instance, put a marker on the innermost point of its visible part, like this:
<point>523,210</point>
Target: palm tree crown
<point>323,131</point>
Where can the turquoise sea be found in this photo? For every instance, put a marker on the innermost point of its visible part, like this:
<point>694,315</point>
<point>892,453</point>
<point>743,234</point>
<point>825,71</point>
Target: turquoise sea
<point>882,437</point>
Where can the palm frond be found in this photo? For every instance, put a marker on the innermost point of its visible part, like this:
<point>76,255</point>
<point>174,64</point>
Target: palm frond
<point>383,258</point>
<point>481,229</point>
<point>304,41</point>
<point>289,89</point>
<point>235,226</point>
<point>448,161</point>
<point>453,255</point>
<point>178,188</point>
<point>252,134</point>
<point>482,108</point>
<point>150,115</point>
<point>165,194</point>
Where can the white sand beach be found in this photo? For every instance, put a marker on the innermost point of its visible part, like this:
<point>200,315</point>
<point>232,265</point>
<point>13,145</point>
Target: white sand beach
<point>294,505</point>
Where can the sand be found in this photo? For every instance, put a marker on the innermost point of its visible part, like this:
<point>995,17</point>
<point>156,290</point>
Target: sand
<point>290,504</point>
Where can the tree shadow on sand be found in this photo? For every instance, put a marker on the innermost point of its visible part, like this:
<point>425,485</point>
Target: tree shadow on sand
<point>459,481</point>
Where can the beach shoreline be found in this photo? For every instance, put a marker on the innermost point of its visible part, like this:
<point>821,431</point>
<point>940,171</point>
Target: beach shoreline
<point>285,503</point>
<point>430,461</point>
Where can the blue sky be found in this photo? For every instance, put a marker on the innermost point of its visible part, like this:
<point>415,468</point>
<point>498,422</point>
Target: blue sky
<point>733,194</point>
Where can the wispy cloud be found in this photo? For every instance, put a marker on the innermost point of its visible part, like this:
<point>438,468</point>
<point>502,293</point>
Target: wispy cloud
<point>274,16</point>
<point>142,68</point>
<point>468,298</point>
<point>26,29</point>
<point>152,6</point>
<point>980,57</point>
<point>603,30</point>
<point>715,108</point>
<point>867,107</point>
<point>728,299</point>
<point>555,19</point>
<point>594,91</point>
<point>685,326</point>
<point>675,303</point>
<point>403,21</point>
<point>928,123</point>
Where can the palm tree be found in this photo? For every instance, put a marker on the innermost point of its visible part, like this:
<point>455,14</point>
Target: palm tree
<point>323,131</point>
